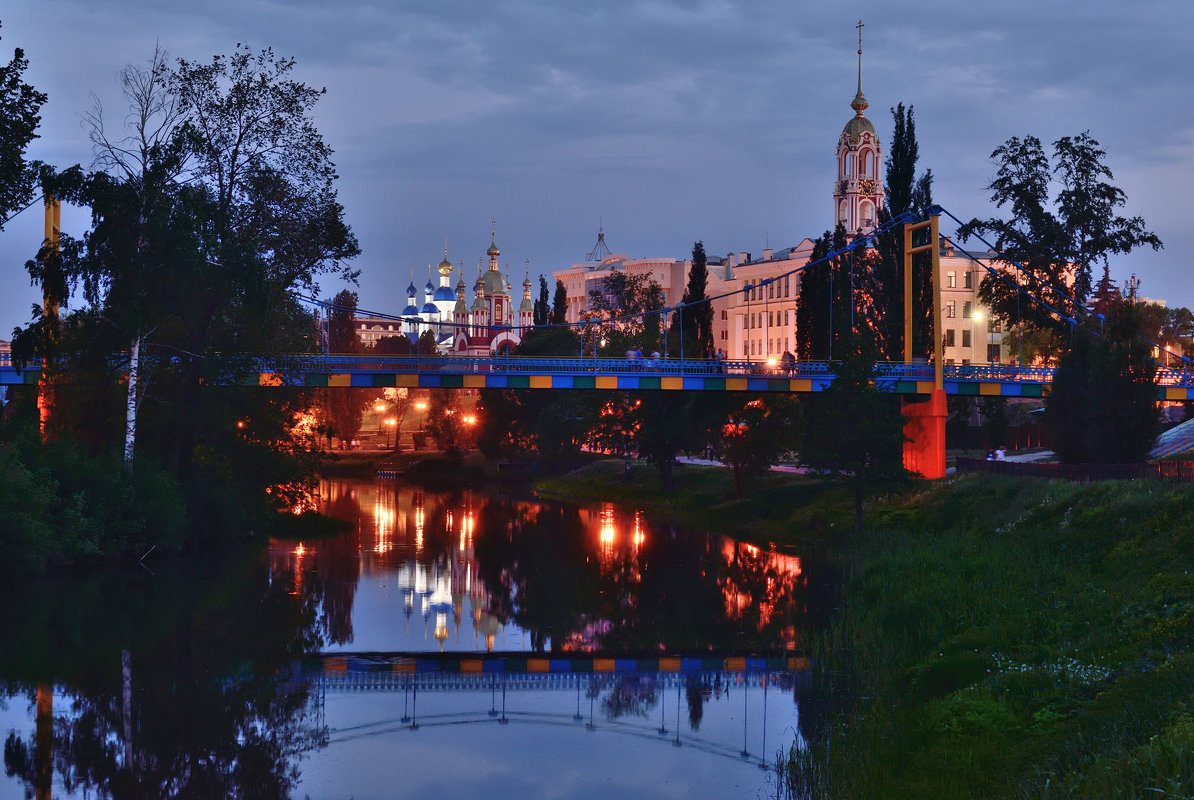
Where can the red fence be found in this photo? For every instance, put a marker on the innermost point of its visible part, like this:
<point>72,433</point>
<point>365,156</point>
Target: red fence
<point>1154,470</point>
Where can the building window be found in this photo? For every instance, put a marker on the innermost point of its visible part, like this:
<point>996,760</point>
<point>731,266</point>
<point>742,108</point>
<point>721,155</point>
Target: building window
<point>949,337</point>
<point>951,309</point>
<point>949,362</point>
<point>745,350</point>
<point>965,362</point>
<point>967,309</point>
<point>787,285</point>
<point>951,279</point>
<point>723,313</point>
<point>993,354</point>
<point>966,337</point>
<point>786,348</point>
<point>771,289</point>
<point>994,325</point>
<point>969,276</point>
<point>787,317</point>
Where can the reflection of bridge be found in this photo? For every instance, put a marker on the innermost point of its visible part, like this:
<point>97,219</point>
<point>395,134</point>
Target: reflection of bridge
<point>438,672</point>
<point>649,680</point>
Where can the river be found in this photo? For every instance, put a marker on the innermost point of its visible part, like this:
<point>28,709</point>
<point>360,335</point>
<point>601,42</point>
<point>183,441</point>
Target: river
<point>443,645</point>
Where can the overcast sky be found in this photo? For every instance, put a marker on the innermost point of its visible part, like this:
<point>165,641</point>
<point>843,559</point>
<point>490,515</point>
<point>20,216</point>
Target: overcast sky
<point>666,120</point>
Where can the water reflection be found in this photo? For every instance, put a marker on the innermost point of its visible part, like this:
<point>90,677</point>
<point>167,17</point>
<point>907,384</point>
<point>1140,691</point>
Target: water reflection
<point>178,682</point>
<point>463,571</point>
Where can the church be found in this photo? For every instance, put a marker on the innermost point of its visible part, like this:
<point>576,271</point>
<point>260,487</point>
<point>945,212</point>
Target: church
<point>757,321</point>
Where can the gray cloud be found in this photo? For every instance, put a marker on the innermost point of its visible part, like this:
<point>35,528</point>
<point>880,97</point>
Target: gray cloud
<point>668,120</point>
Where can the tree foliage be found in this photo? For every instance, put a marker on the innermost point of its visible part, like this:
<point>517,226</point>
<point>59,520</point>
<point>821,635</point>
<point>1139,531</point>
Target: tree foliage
<point>1063,222</point>
<point>881,282</point>
<point>214,202</point>
<point>693,324</point>
<point>853,432</point>
<point>1103,404</point>
<point>823,312</point>
<point>20,107</point>
<point>629,308</point>
<point>757,435</point>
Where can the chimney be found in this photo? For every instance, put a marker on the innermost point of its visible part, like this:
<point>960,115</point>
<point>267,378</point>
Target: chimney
<point>767,254</point>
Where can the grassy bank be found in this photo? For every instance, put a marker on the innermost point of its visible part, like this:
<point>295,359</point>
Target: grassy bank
<point>1005,638</point>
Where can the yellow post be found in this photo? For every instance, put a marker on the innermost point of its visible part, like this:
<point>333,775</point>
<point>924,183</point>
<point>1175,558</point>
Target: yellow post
<point>938,339</point>
<point>45,392</point>
<point>907,294</point>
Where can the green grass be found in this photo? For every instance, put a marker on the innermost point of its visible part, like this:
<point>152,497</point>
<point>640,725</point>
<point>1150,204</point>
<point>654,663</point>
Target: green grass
<point>1006,638</point>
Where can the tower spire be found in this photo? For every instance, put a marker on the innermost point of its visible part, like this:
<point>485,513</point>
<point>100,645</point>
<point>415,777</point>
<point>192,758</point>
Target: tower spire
<point>859,104</point>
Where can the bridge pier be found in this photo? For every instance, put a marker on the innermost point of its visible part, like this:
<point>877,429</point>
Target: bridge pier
<point>924,432</point>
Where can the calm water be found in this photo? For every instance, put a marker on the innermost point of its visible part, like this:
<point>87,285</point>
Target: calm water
<point>446,645</point>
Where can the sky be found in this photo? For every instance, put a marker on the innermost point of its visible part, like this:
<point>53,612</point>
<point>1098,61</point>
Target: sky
<point>664,121</point>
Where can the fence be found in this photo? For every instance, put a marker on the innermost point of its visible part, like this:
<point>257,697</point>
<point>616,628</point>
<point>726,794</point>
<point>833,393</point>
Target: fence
<point>1084,473</point>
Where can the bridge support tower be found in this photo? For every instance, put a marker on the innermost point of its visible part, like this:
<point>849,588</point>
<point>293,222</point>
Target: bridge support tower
<point>924,420</point>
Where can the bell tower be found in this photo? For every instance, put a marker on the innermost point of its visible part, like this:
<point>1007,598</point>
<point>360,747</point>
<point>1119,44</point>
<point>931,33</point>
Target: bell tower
<point>858,191</point>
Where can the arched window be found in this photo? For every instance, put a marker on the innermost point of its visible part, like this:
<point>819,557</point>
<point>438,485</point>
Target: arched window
<point>846,164</point>
<point>868,164</point>
<point>866,213</point>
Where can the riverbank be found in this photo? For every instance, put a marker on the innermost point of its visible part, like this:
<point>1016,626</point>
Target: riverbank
<point>995,638</point>
<point>1014,638</point>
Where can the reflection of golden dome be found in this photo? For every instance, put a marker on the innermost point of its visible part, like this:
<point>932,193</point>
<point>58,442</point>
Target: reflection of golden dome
<point>441,628</point>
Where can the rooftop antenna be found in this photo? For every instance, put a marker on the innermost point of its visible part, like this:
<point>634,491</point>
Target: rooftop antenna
<point>600,250</point>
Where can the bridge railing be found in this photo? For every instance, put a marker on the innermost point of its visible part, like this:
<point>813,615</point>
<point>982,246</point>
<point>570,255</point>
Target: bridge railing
<point>661,367</point>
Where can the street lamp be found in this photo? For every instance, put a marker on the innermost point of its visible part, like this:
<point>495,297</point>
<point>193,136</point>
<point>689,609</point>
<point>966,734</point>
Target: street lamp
<point>391,423</point>
<point>422,407</point>
<point>978,317</point>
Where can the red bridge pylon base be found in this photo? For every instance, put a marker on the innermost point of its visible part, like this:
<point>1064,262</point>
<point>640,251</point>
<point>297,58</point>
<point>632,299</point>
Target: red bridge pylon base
<point>924,432</point>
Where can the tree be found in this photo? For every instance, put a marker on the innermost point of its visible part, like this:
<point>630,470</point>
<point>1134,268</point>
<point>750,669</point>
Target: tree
<point>823,311</point>
<point>444,422</point>
<point>342,410</point>
<point>20,106</point>
<point>695,320</point>
<point>852,432</point>
<point>542,309</point>
<point>1057,240</point>
<point>1103,404</point>
<point>758,435</point>
<point>217,204</point>
<point>632,304</point>
<point>559,305</point>
<point>881,272</point>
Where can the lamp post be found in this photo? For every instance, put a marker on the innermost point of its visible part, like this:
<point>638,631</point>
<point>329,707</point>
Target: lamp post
<point>977,328</point>
<point>391,423</point>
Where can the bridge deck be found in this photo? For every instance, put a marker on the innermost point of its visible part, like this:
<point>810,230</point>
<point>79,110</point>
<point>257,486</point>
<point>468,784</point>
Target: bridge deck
<point>499,372</point>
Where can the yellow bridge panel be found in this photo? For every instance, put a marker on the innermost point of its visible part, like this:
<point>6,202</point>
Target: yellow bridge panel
<point>1176,393</point>
<point>404,666</point>
<point>925,387</point>
<point>603,665</point>
<point>736,664</point>
<point>538,665</point>
<point>990,389</point>
<point>471,665</point>
<point>669,665</point>
<point>671,383</point>
<point>544,381</point>
<point>340,380</point>
<point>406,381</point>
<point>607,382</point>
<point>474,381</point>
<point>735,384</point>
<point>800,385</point>
<point>269,379</point>
<point>335,664</point>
